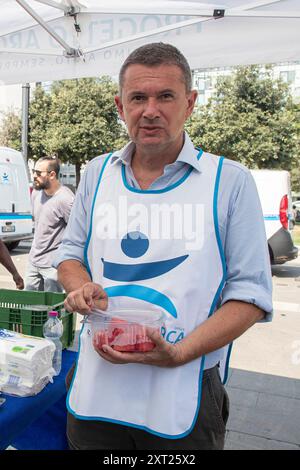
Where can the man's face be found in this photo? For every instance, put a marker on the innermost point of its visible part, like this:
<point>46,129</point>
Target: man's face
<point>41,176</point>
<point>155,105</point>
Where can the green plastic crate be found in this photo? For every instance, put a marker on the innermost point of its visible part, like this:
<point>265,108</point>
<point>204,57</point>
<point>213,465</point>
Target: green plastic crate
<point>27,311</point>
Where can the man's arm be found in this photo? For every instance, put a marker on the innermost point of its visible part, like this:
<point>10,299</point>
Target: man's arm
<point>227,324</point>
<point>8,263</point>
<point>66,205</point>
<point>224,326</point>
<point>72,275</point>
<point>248,269</point>
<point>83,293</point>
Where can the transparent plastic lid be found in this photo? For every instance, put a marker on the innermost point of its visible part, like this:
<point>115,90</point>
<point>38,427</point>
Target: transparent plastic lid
<point>145,317</point>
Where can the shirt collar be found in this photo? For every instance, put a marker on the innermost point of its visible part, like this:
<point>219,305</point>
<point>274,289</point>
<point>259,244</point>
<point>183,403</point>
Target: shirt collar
<point>188,154</point>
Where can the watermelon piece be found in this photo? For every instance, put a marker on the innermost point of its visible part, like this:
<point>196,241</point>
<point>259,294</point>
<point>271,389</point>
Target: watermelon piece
<point>100,338</point>
<point>124,337</point>
<point>124,347</point>
<point>114,334</point>
<point>145,347</point>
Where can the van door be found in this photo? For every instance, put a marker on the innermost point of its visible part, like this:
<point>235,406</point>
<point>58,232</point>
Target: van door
<point>7,188</point>
<point>274,191</point>
<point>15,204</point>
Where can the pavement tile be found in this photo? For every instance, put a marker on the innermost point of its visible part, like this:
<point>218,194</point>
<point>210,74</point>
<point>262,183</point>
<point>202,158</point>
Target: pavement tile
<point>264,411</point>
<point>270,425</point>
<point>258,382</point>
<point>245,398</point>
<point>239,441</point>
<point>289,407</point>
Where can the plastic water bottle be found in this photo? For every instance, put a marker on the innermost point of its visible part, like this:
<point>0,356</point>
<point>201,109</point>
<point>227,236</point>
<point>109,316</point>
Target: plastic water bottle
<point>53,330</point>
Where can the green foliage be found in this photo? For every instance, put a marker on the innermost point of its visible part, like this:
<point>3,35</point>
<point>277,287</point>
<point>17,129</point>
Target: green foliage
<point>295,172</point>
<point>251,119</point>
<point>39,115</point>
<point>295,178</point>
<point>76,121</point>
<point>11,130</point>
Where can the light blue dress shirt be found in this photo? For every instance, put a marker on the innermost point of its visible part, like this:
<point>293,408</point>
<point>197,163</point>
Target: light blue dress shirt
<point>241,222</point>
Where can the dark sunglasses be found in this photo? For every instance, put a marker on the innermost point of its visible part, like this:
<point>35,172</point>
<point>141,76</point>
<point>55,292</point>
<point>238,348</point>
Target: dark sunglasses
<point>38,172</point>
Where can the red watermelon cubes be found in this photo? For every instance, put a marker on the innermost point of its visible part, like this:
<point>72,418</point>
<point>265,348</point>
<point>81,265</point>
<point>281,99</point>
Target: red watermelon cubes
<point>123,336</point>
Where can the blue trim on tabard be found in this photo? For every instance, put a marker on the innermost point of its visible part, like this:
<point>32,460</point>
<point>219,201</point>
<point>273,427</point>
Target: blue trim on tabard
<point>227,363</point>
<point>159,191</point>
<point>143,293</point>
<point>222,254</point>
<point>221,285</point>
<point>271,217</point>
<point>212,308</point>
<point>14,216</point>
<point>91,221</point>
<point>75,372</point>
<point>217,232</point>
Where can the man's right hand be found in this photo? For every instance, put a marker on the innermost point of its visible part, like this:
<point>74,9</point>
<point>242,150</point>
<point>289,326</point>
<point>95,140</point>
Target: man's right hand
<point>87,297</point>
<point>18,281</point>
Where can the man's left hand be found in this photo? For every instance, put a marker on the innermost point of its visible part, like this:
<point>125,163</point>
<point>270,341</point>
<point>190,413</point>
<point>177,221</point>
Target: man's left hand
<point>163,355</point>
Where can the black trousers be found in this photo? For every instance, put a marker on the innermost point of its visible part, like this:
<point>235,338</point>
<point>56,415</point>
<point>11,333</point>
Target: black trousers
<point>207,434</point>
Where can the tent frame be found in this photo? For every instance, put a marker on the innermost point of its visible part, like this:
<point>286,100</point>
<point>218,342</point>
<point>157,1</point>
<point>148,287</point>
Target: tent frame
<point>69,51</point>
<point>199,15</point>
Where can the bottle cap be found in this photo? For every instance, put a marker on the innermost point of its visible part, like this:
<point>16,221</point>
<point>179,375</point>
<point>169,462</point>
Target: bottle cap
<point>53,313</point>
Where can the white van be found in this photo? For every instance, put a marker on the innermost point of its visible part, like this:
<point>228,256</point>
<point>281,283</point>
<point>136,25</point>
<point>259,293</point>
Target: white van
<point>274,190</point>
<point>15,204</point>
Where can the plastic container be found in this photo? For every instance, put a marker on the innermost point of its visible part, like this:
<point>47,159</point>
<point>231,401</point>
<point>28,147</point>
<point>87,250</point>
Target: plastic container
<point>26,312</point>
<point>124,330</point>
<point>53,330</point>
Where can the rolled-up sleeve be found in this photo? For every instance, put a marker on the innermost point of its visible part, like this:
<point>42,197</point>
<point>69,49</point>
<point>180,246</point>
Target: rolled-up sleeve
<point>248,277</point>
<point>76,233</point>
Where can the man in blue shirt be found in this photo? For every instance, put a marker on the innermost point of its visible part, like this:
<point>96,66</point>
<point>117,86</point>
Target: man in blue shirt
<point>221,286</point>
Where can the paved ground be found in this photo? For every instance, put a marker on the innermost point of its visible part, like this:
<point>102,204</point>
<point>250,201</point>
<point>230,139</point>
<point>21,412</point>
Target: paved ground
<point>264,380</point>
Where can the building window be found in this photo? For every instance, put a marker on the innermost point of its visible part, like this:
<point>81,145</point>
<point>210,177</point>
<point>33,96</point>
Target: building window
<point>288,76</point>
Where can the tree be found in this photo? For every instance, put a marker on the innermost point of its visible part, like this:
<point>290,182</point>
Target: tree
<point>295,179</point>
<point>250,119</point>
<point>11,130</point>
<point>76,121</point>
<point>295,172</point>
<point>39,118</point>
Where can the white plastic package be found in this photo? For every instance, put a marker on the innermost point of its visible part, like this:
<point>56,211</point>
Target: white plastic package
<point>25,363</point>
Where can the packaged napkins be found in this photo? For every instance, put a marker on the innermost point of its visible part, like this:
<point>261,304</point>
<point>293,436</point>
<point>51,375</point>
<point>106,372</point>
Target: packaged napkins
<point>25,363</point>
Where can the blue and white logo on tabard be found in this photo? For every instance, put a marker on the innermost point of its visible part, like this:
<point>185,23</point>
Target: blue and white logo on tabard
<point>134,245</point>
<point>5,178</point>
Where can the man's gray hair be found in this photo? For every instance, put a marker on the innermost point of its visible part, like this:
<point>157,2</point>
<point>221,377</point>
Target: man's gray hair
<point>154,54</point>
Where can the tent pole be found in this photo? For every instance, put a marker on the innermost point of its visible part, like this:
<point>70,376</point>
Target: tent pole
<point>45,52</point>
<point>25,120</point>
<point>70,52</point>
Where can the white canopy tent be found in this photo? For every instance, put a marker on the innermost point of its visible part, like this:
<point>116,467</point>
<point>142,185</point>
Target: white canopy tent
<point>43,40</point>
